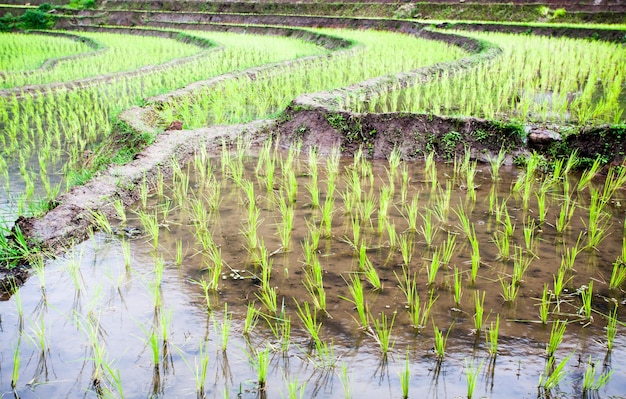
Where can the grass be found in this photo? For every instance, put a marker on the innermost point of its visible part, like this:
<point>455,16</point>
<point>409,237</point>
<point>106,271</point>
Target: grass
<point>405,378</point>
<point>441,341</point>
<point>556,337</point>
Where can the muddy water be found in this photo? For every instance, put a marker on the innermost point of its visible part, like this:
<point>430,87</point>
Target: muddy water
<point>123,300</point>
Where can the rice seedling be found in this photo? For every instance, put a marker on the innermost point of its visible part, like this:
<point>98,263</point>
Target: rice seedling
<point>598,222</point>
<point>565,214</point>
<point>393,236</point>
<point>559,280</point>
<point>15,371</point>
<point>544,306</point>
<point>496,163</point>
<point>552,375</point>
<point>308,318</point>
<point>223,330</point>
<point>501,239</point>
<point>615,179</point>
<point>251,320</point>
<point>446,249</point>
<point>428,229</point>
<point>404,187</point>
<point>479,310</point>
<point>327,217</point>
<point>588,174</point>
<point>268,298</point>
<point>344,379</point>
<point>371,275</point>
<point>464,221</point>
<point>384,202</point>
<point>441,208</point>
<point>556,337</point>
<point>618,275</point>
<point>325,357</point>
<point>410,212</point>
<point>202,366</point>
<point>441,341</point>
<point>405,378</point>
<point>262,362</point>
<point>593,382</point>
<point>510,290</point>
<point>586,296</point>
<point>458,286</point>
<point>250,230</point>
<point>381,331</point>
<point>433,268</point>
<point>358,299</point>
<point>406,244</point>
<point>206,289</point>
<point>491,337</point>
<point>471,375</point>
<point>475,257</point>
<point>530,236</point>
<point>611,328</point>
<point>314,284</point>
<point>150,224</point>
<point>286,225</point>
<point>520,265</point>
<point>293,387</point>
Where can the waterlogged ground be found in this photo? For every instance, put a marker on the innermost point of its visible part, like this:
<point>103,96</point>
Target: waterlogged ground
<point>103,296</point>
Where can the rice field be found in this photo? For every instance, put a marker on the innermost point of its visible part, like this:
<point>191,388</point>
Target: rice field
<point>537,79</point>
<point>282,273</point>
<point>265,271</point>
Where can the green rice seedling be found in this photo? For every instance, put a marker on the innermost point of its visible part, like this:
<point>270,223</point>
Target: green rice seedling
<point>611,328</point>
<point>559,281</point>
<point>520,264</point>
<point>458,287</point>
<point>118,205</point>
<point>356,233</point>
<point>38,267</point>
<point>101,221</point>
<point>433,268</point>
<point>291,186</point>
<point>15,371</point>
<point>501,240</point>
<point>345,382</point>
<point>395,160</point>
<point>393,236</point>
<point>251,229</point>
<point>381,331</point>
<point>268,298</point>
<point>251,320</point>
<point>471,375</point>
<point>586,295</point>
<point>293,387</point>
<point>286,225</point>
<point>510,290</point>
<point>479,307</point>
<point>552,375</point>
<point>206,289</point>
<point>556,337</point>
<point>615,179</point>
<point>496,163</point>
<point>262,362</point>
<point>588,174</point>
<point>410,213</point>
<point>470,176</point>
<point>202,366</point>
<point>464,221</point>
<point>312,186</point>
<point>150,224</point>
<point>441,208</point>
<point>446,249</point>
<point>618,275</point>
<point>406,243</point>
<point>428,229</point>
<point>404,187</point>
<point>591,382</point>
<point>529,235</point>
<point>325,355</point>
<point>327,217</point>
<point>475,257</point>
<point>358,299</point>
<point>405,378</point>
<point>492,337</point>
<point>314,284</point>
<point>440,342</point>
<point>384,202</point>
<point>223,330</point>
<point>308,317</point>
<point>598,222</point>
<point>565,214</point>
<point>541,205</point>
<point>179,256</point>
<point>544,306</point>
<point>371,275</point>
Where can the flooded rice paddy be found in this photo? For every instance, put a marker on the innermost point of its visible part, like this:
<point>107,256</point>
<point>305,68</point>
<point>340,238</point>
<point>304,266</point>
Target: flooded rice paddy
<point>188,293</point>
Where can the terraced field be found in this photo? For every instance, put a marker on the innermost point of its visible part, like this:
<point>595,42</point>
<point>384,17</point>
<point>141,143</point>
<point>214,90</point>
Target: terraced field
<point>227,202</point>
